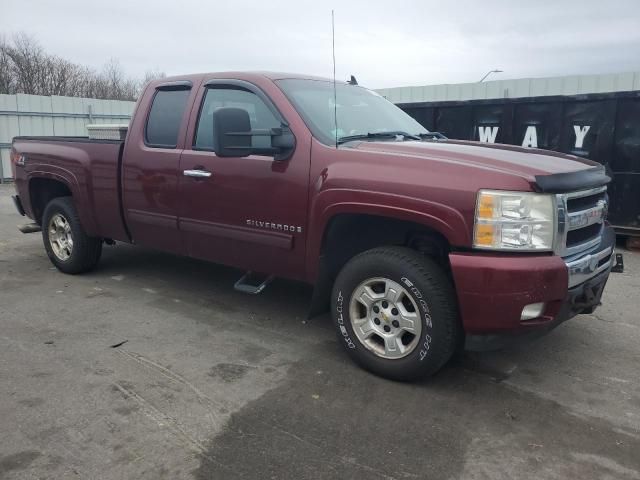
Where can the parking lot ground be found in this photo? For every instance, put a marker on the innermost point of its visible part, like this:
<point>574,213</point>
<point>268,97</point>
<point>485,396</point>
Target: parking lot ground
<point>153,367</point>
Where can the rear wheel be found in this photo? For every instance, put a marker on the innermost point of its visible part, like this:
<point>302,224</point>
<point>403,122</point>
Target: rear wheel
<point>69,248</point>
<point>395,312</point>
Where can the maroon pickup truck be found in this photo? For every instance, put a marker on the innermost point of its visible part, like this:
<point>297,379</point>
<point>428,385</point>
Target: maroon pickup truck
<point>418,245</point>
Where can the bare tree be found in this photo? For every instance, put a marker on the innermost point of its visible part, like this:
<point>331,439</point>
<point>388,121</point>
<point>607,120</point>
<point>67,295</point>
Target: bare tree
<point>152,75</point>
<point>27,59</point>
<point>7,79</point>
<point>26,68</point>
<point>149,75</point>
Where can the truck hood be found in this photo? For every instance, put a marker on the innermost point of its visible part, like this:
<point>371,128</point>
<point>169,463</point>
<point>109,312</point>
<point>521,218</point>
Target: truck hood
<point>549,171</point>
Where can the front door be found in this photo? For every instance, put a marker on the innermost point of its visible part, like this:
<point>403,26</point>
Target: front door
<point>248,212</point>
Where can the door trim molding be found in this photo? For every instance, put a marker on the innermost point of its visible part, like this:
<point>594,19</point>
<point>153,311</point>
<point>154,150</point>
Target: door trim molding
<point>152,218</point>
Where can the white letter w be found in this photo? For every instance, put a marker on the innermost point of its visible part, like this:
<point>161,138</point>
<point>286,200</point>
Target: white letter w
<point>488,134</point>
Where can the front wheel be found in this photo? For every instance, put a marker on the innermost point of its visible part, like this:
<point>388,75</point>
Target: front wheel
<point>396,313</point>
<point>69,248</point>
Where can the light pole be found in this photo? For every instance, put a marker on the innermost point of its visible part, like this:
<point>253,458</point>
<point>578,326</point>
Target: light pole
<point>489,73</point>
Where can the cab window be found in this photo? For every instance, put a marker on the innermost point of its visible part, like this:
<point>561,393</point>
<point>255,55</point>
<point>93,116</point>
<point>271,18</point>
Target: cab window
<point>228,96</point>
<point>165,118</point>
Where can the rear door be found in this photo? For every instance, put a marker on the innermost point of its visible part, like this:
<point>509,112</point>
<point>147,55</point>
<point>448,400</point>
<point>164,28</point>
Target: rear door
<point>151,167</point>
<point>247,212</point>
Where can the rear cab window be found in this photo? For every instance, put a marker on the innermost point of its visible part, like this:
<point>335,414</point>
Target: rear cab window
<point>165,117</point>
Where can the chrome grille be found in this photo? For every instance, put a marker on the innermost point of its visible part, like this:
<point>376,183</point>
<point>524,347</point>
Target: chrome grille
<point>581,218</point>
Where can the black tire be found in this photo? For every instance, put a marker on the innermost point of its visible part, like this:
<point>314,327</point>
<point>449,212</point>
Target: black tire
<point>86,250</point>
<point>431,289</point>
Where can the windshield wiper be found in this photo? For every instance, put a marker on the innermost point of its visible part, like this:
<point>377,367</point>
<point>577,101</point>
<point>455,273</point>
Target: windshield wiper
<point>370,135</point>
<point>432,136</point>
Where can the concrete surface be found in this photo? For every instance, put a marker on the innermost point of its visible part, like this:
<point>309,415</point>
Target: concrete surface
<point>215,384</point>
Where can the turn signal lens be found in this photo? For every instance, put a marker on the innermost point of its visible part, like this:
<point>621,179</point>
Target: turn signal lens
<point>484,235</point>
<point>486,206</point>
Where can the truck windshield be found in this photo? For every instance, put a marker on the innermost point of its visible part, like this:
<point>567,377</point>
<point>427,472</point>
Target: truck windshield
<point>362,114</point>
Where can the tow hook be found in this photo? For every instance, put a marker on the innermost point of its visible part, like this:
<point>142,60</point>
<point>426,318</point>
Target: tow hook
<point>618,267</point>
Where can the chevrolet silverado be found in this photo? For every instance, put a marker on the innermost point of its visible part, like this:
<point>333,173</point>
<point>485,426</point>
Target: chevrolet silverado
<point>418,245</point>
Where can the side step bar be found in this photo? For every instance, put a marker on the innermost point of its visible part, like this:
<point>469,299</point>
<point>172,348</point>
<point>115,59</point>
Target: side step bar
<point>30,228</point>
<point>248,283</point>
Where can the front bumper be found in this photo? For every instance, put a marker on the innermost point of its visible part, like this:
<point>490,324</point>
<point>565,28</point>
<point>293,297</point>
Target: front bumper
<point>492,290</point>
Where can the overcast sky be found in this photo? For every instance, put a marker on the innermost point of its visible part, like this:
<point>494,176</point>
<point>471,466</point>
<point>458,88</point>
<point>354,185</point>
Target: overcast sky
<point>383,43</point>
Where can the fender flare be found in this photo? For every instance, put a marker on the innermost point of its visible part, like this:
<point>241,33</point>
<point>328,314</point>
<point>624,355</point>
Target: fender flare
<point>441,218</point>
<point>67,178</point>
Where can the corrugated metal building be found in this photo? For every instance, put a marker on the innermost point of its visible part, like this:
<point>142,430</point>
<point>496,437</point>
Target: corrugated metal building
<point>63,116</point>
<point>521,87</point>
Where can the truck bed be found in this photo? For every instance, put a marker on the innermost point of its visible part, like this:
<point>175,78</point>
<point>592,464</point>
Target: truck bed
<point>89,167</point>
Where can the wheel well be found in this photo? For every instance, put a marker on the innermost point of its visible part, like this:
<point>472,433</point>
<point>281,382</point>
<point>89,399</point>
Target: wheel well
<point>42,191</point>
<point>350,234</point>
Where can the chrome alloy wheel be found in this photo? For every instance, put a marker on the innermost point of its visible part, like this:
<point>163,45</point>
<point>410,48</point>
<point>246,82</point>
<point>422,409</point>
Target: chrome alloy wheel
<point>60,237</point>
<point>385,318</point>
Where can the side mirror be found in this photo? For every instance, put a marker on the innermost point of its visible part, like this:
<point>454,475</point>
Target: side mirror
<point>283,140</point>
<point>232,136</point>
<point>231,132</point>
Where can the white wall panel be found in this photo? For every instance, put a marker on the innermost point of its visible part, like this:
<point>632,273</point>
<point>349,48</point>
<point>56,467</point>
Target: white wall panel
<point>32,115</point>
<point>4,161</point>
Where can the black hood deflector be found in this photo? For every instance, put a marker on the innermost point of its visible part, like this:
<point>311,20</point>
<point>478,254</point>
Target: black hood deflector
<point>571,181</point>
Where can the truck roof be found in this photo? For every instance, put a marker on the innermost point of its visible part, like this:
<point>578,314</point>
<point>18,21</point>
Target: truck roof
<point>249,76</point>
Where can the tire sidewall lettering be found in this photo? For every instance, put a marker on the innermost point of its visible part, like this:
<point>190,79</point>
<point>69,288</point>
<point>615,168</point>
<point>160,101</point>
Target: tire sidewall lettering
<point>425,313</point>
<point>340,319</point>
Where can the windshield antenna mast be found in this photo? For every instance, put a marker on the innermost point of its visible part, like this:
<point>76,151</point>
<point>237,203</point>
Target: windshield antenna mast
<point>335,96</point>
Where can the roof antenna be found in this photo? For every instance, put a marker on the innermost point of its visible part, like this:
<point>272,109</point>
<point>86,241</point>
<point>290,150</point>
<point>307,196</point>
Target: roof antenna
<point>335,96</point>
<point>352,81</point>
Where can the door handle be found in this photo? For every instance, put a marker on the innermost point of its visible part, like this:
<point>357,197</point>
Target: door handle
<point>196,173</point>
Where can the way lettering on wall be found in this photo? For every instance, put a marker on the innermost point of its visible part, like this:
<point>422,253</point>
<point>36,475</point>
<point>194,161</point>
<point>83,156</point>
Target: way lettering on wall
<point>530,139</point>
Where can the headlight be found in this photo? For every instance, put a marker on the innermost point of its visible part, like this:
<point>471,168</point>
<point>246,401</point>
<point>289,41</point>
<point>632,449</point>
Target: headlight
<point>520,221</point>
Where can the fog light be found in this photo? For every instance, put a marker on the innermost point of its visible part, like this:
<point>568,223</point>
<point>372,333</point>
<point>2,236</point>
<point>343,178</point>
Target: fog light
<point>531,311</point>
